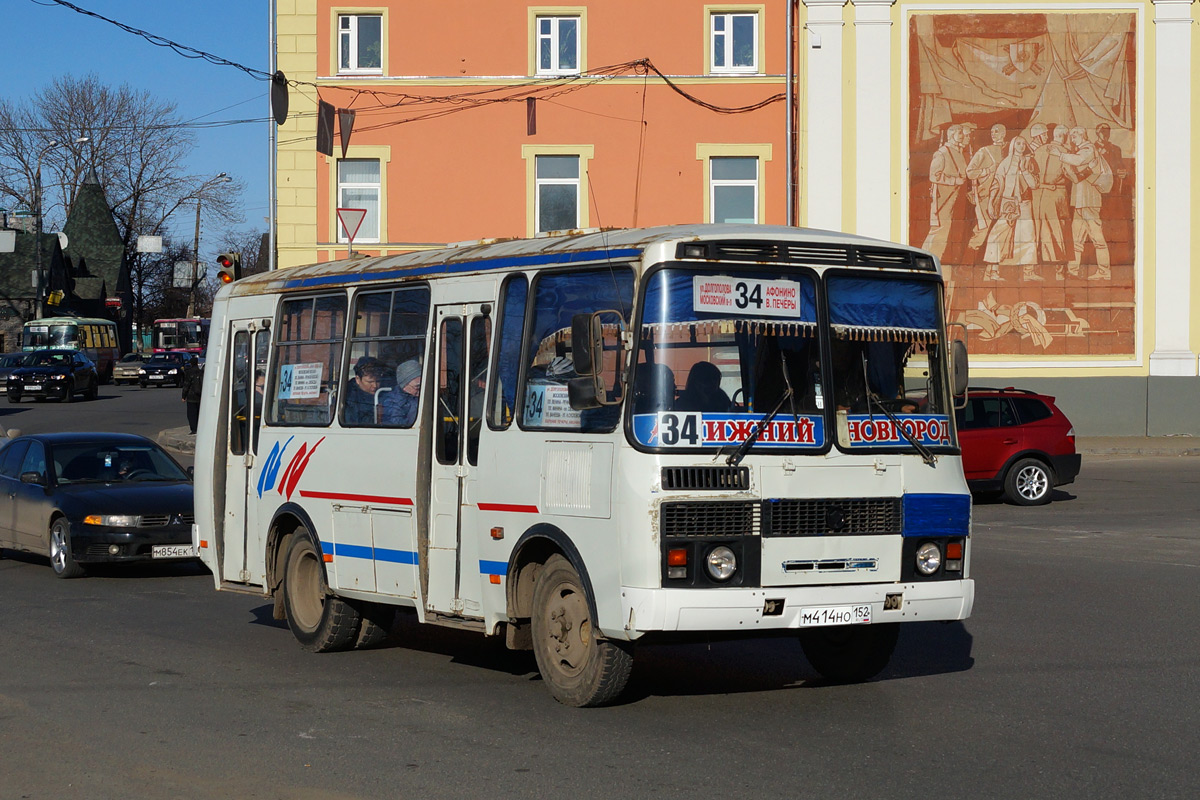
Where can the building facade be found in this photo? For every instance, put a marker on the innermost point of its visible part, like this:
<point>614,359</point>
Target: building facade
<point>1042,150</point>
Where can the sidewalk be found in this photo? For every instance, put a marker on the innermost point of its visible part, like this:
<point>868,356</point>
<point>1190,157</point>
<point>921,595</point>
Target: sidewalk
<point>179,440</point>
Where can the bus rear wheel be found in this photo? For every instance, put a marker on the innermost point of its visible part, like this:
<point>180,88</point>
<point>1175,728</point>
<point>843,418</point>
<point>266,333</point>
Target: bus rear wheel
<point>580,667</point>
<point>850,653</point>
<point>320,621</point>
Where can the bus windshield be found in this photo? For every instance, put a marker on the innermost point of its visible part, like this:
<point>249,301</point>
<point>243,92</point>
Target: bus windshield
<point>50,336</point>
<point>718,353</point>
<point>180,334</point>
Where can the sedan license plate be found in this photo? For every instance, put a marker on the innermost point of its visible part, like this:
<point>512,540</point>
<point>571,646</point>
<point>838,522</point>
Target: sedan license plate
<point>835,615</point>
<point>33,387</point>
<point>173,551</point>
<point>156,377</point>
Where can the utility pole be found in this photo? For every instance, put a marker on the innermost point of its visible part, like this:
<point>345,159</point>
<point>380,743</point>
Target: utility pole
<point>191,309</point>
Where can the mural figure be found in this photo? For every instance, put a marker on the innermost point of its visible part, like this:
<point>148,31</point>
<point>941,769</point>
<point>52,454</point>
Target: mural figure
<point>1036,228</point>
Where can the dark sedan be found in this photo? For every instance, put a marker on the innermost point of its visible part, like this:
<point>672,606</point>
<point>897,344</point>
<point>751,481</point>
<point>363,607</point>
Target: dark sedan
<point>163,368</point>
<point>83,498</point>
<point>9,362</point>
<point>57,374</point>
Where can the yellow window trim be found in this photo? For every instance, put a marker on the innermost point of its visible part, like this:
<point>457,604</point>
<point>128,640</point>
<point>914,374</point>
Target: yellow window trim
<point>705,154</point>
<point>381,152</point>
<point>335,46</point>
<point>556,11</point>
<point>760,48</point>
<point>529,152</point>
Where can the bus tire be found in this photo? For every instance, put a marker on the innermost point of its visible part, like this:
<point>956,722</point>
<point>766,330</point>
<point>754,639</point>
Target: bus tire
<point>580,667</point>
<point>850,653</point>
<point>320,621</point>
<point>377,619</point>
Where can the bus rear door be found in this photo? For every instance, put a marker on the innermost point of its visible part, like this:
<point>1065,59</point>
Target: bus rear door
<point>250,345</point>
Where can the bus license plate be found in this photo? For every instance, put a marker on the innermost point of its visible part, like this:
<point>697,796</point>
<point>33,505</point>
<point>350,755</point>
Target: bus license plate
<point>173,551</point>
<point>835,615</point>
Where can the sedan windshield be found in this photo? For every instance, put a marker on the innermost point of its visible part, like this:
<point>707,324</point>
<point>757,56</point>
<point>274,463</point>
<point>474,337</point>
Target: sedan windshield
<point>106,463</point>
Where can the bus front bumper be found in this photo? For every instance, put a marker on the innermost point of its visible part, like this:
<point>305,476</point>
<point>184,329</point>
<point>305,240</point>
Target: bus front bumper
<point>793,607</point>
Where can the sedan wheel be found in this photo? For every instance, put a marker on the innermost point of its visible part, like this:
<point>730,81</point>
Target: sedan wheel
<point>14,397</point>
<point>69,393</point>
<point>61,560</point>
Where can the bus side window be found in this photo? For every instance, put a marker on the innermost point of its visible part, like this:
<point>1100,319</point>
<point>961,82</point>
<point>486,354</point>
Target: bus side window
<point>449,391</point>
<point>386,347</point>
<point>311,333</point>
<point>481,336</point>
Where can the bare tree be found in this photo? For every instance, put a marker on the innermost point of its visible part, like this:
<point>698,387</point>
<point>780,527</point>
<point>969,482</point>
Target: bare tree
<point>135,142</point>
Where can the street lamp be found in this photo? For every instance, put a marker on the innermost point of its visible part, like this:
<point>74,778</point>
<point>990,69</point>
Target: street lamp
<point>220,178</point>
<point>37,199</point>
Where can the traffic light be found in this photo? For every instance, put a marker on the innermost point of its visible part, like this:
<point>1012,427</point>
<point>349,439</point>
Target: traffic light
<point>230,265</point>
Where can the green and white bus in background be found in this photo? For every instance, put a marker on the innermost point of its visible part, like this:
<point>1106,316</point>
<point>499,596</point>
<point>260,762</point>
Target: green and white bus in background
<point>96,338</point>
<point>578,443</point>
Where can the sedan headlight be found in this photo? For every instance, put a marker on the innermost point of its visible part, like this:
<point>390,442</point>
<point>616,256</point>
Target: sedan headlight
<point>113,520</point>
<point>141,372</point>
<point>721,563</point>
<point>58,376</point>
<point>172,371</point>
<point>929,558</point>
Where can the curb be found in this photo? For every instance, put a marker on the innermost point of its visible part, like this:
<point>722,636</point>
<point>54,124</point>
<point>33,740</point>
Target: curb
<point>178,439</point>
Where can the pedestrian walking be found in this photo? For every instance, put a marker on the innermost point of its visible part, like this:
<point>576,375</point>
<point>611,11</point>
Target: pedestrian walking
<point>193,379</point>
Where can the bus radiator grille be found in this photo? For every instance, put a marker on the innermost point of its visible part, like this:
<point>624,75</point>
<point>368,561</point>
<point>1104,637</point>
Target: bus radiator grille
<point>832,517</point>
<point>711,519</point>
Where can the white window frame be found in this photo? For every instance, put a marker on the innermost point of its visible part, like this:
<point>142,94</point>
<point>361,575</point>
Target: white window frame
<point>762,153</point>
<point>351,33</point>
<point>555,20</point>
<point>714,184</point>
<point>726,47</point>
<point>529,152</point>
<point>377,186</point>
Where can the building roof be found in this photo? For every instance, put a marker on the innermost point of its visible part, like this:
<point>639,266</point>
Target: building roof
<point>94,246</point>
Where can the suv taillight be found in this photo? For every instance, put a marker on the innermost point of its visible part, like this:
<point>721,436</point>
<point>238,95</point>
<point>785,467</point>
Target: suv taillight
<point>1071,434</point>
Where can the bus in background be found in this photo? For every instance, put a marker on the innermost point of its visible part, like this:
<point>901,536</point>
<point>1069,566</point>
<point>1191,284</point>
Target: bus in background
<point>96,338</point>
<point>582,442</point>
<point>181,335</point>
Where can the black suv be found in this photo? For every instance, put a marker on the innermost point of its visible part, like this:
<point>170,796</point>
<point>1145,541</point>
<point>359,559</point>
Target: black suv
<point>163,368</point>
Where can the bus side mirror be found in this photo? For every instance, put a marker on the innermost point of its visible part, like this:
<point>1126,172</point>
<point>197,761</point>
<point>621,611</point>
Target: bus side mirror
<point>959,366</point>
<point>590,389</point>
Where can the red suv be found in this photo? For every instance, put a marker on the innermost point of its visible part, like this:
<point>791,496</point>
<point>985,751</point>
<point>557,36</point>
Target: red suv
<point>1016,442</point>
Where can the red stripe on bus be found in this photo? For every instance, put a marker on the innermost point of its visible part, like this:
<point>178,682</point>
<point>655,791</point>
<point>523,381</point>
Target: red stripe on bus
<point>508,507</point>
<point>357,498</point>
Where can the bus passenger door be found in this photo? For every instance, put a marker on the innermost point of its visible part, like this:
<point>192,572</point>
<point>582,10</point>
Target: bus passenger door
<point>463,341</point>
<point>247,361</point>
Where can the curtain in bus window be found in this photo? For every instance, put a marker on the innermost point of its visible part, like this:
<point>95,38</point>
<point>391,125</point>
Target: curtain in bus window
<point>383,381</point>
<point>558,297</point>
<point>871,303</point>
<point>512,325</point>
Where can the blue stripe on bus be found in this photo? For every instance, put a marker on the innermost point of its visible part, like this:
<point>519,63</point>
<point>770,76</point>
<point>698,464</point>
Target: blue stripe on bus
<point>493,567</point>
<point>370,553</point>
<point>467,266</point>
<point>937,514</point>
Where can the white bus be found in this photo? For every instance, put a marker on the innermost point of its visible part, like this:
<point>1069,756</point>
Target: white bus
<point>620,436</point>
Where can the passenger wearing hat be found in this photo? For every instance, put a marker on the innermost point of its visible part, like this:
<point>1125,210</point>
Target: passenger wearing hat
<point>360,393</point>
<point>400,405</point>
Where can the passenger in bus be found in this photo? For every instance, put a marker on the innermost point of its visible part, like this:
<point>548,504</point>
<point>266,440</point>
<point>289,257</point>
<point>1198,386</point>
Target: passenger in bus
<point>653,388</point>
<point>360,391</point>
<point>703,391</point>
<point>400,404</point>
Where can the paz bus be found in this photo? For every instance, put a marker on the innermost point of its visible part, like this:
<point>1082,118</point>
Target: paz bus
<point>95,338</point>
<point>180,335</point>
<point>582,442</point>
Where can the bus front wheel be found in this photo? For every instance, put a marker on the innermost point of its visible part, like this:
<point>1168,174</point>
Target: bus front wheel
<point>320,621</point>
<point>581,667</point>
<point>850,653</point>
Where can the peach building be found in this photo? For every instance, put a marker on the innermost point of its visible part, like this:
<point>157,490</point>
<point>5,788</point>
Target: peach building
<point>1044,151</point>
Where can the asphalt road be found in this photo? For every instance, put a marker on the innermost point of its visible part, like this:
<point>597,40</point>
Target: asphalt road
<point>1076,678</point>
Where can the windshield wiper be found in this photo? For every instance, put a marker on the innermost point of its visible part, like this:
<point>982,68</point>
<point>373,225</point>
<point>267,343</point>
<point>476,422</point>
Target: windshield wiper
<point>926,454</point>
<point>737,455</point>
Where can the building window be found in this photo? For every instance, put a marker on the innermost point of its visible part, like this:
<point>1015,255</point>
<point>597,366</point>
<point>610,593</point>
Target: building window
<point>359,187</point>
<point>360,43</point>
<point>557,193</point>
<point>557,45</point>
<point>734,42</point>
<point>733,189</point>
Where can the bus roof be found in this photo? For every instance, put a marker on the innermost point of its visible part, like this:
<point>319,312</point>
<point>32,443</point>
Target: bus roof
<point>579,246</point>
<point>70,321</point>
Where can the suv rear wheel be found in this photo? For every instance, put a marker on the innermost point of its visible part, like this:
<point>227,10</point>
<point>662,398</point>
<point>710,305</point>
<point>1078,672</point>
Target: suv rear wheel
<point>1029,482</point>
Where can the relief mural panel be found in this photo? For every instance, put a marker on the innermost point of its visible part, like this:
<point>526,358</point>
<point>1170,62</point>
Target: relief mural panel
<point>1022,147</point>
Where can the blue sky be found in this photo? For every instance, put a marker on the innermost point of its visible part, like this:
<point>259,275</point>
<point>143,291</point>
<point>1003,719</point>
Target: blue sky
<point>232,29</point>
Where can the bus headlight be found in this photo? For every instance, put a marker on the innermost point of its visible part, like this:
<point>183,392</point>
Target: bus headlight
<point>929,558</point>
<point>721,563</point>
